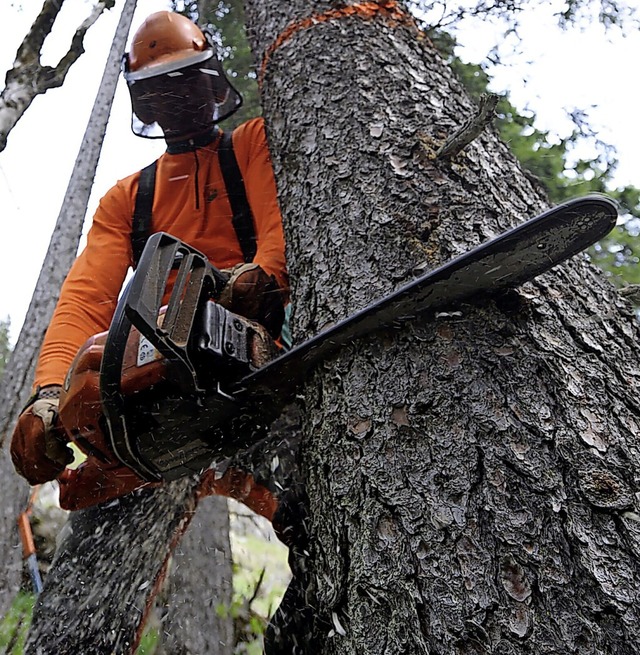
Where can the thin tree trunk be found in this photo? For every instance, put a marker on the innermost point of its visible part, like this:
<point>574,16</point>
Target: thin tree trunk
<point>196,618</point>
<point>18,375</point>
<point>472,477</point>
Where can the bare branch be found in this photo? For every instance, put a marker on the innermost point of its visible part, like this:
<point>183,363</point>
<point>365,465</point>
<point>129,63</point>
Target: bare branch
<point>34,39</point>
<point>77,44</point>
<point>471,129</point>
<point>28,77</point>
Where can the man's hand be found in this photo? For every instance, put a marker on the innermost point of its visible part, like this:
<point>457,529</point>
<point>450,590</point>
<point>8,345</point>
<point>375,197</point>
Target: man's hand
<point>255,295</point>
<point>38,450</point>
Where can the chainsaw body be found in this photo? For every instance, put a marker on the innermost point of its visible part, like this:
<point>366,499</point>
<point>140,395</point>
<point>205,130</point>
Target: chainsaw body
<point>149,394</point>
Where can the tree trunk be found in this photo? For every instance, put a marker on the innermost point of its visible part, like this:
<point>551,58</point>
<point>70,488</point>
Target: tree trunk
<point>18,375</point>
<point>196,603</point>
<point>472,476</point>
<point>107,570</point>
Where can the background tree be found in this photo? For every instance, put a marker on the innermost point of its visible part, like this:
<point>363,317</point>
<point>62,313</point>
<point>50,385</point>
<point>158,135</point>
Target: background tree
<point>196,616</point>
<point>28,77</point>
<point>5,346</point>
<point>471,476</point>
<point>18,375</point>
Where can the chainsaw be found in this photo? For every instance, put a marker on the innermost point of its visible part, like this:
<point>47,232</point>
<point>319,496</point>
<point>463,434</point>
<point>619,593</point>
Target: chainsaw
<point>179,382</point>
<point>160,371</point>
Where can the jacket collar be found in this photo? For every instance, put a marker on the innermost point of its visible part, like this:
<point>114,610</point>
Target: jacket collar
<point>192,144</point>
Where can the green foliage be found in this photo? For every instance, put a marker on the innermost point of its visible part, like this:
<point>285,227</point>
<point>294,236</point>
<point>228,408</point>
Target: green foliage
<point>5,347</point>
<point>148,642</point>
<point>248,624</point>
<point>14,627</point>
<point>260,577</point>
<point>228,21</point>
<point>619,255</point>
<point>549,162</point>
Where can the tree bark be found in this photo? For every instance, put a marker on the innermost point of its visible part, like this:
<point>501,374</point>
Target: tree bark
<point>472,476</point>
<point>18,375</point>
<point>196,618</point>
<point>107,571</point>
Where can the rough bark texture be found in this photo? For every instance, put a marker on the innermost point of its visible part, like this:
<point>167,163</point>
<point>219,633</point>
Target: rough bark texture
<point>107,571</point>
<point>14,499</point>
<point>472,476</point>
<point>18,375</point>
<point>28,77</point>
<point>200,585</point>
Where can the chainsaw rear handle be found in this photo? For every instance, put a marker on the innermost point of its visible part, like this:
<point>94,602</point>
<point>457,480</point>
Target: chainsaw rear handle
<point>196,282</point>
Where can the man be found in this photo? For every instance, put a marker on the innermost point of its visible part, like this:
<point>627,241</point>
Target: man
<point>179,92</point>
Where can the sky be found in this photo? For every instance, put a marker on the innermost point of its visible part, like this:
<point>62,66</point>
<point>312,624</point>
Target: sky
<point>585,69</point>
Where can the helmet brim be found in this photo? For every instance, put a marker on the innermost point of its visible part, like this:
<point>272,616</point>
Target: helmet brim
<point>168,64</point>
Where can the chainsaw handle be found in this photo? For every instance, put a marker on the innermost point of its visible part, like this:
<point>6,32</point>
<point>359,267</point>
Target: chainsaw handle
<point>196,282</point>
<point>26,535</point>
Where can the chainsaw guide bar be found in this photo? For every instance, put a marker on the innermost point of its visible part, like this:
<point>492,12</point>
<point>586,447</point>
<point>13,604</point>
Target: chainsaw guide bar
<point>179,425</point>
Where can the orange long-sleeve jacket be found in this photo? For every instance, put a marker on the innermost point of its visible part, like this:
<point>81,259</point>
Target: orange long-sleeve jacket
<point>191,203</point>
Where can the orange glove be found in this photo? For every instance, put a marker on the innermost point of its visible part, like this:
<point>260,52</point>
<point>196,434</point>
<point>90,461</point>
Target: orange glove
<point>38,447</point>
<point>254,294</point>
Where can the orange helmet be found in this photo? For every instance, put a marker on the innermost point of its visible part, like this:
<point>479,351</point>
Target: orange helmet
<point>165,42</point>
<point>175,79</point>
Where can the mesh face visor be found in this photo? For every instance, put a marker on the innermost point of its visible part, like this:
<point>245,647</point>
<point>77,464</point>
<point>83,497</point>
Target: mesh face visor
<point>171,101</point>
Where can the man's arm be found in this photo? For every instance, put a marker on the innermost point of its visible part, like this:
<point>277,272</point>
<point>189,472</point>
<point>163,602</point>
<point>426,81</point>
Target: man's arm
<point>87,302</point>
<point>90,292</point>
<point>254,160</point>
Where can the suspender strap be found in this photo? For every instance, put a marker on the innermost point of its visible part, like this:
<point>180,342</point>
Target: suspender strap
<point>142,212</point>
<point>242,217</point>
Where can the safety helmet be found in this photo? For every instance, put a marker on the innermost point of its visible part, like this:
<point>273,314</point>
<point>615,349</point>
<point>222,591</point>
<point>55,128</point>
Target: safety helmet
<point>175,78</point>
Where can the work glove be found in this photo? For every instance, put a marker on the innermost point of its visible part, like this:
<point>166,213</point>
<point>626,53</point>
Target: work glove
<point>38,447</point>
<point>254,294</point>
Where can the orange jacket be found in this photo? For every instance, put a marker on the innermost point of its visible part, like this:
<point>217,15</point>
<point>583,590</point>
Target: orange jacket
<point>199,214</point>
